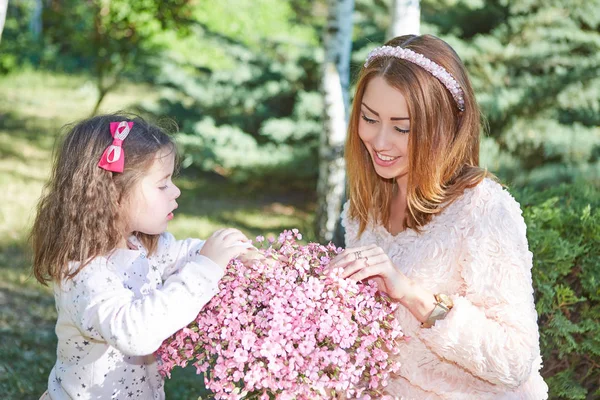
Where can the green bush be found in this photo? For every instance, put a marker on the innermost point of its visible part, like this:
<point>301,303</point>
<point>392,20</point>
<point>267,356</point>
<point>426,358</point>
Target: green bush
<point>564,235</point>
<point>258,121</point>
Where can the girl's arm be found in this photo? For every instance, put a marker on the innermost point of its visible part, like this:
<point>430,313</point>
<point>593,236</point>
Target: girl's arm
<point>492,330</point>
<point>173,254</point>
<point>103,308</point>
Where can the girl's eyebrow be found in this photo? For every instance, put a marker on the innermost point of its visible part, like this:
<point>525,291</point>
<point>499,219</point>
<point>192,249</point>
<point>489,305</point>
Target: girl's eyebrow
<point>163,178</point>
<point>377,114</point>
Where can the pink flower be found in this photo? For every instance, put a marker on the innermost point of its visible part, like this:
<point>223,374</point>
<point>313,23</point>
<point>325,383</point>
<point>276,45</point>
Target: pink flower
<point>306,347</point>
<point>283,329</point>
<point>248,339</point>
<point>240,355</point>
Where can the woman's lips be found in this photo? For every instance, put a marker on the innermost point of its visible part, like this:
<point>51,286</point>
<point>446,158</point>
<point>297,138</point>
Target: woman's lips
<point>384,160</point>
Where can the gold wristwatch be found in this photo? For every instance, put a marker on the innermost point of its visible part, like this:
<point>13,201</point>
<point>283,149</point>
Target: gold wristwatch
<point>443,304</point>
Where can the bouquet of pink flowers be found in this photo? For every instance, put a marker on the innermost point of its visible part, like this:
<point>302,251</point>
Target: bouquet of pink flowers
<point>281,328</point>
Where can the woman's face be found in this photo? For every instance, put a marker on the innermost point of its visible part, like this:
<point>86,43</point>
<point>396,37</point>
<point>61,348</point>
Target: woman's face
<point>384,128</point>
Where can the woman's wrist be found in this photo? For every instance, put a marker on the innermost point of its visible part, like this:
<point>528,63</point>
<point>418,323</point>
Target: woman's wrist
<point>420,302</point>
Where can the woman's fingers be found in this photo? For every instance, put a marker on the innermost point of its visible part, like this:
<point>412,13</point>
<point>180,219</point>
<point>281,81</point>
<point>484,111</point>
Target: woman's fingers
<point>368,271</point>
<point>348,256</point>
<point>363,262</point>
<point>353,267</point>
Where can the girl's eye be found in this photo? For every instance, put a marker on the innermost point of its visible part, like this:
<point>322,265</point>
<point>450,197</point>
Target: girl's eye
<point>368,120</point>
<point>401,130</point>
<point>163,187</point>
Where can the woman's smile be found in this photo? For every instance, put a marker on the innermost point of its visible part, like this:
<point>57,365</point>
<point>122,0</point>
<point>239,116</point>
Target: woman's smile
<point>384,160</point>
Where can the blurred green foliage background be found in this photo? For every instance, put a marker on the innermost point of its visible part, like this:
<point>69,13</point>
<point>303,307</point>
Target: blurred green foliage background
<point>241,79</point>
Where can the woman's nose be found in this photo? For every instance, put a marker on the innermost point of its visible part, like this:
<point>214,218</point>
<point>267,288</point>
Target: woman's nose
<point>382,138</point>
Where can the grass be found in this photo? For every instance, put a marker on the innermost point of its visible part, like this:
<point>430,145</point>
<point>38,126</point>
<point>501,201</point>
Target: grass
<point>33,108</point>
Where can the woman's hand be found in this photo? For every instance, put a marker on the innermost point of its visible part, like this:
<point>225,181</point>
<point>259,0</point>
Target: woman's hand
<point>371,262</point>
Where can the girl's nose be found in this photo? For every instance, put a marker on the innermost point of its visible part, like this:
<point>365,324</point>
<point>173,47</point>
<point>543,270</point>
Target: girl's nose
<point>177,192</point>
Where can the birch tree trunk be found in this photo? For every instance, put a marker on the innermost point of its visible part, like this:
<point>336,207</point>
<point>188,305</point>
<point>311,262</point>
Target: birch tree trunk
<point>3,8</point>
<point>35,24</point>
<point>406,18</point>
<point>335,84</point>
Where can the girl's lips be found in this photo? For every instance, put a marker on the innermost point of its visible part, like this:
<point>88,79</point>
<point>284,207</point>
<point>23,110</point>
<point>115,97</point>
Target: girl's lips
<point>383,163</point>
<point>170,216</point>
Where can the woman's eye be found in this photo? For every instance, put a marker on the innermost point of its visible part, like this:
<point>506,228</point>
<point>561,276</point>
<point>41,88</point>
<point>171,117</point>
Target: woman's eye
<point>368,120</point>
<point>163,187</point>
<point>402,130</point>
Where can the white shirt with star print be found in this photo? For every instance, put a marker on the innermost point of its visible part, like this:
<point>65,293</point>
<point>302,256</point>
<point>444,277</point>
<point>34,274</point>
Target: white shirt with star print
<point>118,310</point>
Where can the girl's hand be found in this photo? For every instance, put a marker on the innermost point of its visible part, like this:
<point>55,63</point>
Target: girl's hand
<point>225,244</point>
<point>371,262</point>
<point>252,255</point>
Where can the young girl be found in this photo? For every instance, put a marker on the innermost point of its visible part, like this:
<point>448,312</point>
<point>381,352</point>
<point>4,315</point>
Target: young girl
<point>437,233</point>
<point>121,283</point>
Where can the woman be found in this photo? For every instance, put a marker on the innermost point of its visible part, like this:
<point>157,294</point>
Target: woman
<point>436,232</point>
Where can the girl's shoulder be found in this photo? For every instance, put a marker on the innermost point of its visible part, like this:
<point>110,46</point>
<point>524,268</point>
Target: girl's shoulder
<point>97,262</point>
<point>84,278</point>
<point>165,241</point>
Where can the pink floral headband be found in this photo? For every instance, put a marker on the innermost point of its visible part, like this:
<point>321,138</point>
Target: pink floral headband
<point>419,59</point>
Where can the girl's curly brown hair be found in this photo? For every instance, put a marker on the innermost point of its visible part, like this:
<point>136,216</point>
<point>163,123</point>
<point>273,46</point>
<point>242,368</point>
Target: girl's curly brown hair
<point>78,216</point>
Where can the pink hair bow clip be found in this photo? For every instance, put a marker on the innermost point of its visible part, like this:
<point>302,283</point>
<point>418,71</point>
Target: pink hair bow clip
<point>113,158</point>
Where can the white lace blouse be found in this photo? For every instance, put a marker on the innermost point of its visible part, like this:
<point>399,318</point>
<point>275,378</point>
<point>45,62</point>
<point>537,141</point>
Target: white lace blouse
<point>476,251</point>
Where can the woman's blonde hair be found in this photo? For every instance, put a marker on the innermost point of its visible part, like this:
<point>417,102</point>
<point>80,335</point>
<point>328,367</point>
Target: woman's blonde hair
<point>443,145</point>
<point>78,216</point>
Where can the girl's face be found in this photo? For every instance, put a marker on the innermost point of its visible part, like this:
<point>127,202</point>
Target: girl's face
<point>384,128</point>
<point>153,199</point>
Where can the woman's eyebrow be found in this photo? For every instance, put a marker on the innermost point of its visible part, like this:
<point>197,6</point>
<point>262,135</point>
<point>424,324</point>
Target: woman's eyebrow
<point>377,114</point>
<point>370,109</point>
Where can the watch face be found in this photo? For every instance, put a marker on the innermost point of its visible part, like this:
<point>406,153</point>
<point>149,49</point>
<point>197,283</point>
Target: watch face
<point>445,300</point>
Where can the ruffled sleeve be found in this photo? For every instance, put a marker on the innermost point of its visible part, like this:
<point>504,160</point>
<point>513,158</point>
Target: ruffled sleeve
<point>492,330</point>
<point>350,225</point>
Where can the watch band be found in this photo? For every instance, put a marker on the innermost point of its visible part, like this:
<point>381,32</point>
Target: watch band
<point>443,304</point>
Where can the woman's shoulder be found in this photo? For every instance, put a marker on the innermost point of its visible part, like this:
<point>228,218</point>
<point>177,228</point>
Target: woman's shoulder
<point>485,194</point>
<point>488,200</point>
<point>352,227</point>
<point>345,211</point>
<point>349,224</point>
